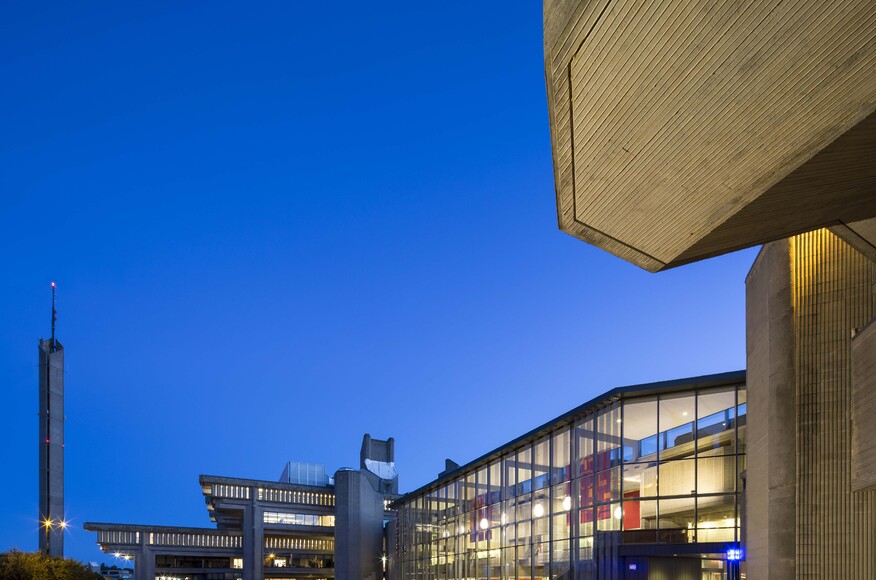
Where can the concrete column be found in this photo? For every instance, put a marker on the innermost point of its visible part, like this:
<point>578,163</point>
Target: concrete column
<point>805,296</point>
<point>146,570</point>
<point>253,542</point>
<point>393,569</point>
<point>771,473</point>
<point>358,527</point>
<point>832,296</point>
<point>864,409</point>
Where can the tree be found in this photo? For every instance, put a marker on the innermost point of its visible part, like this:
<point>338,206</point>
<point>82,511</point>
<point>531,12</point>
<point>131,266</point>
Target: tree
<point>17,565</point>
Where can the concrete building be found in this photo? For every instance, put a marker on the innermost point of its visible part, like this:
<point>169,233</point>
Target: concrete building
<point>51,443</point>
<point>359,532</point>
<point>686,130</point>
<point>307,526</point>
<point>641,482</point>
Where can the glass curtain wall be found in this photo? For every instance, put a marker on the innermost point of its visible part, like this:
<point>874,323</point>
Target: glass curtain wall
<point>645,470</point>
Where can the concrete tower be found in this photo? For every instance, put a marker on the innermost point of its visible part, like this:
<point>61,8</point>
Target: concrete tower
<point>810,513</point>
<point>361,498</point>
<point>51,443</point>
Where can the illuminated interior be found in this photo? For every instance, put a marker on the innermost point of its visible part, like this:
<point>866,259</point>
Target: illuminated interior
<point>655,473</point>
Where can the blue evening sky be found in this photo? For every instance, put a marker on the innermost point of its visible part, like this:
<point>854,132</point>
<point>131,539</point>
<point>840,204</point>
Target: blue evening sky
<point>278,226</point>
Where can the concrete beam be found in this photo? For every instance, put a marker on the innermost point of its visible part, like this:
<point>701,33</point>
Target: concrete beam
<point>684,132</point>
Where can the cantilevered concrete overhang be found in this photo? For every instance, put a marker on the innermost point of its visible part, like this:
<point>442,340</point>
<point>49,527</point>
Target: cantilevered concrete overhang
<point>686,129</point>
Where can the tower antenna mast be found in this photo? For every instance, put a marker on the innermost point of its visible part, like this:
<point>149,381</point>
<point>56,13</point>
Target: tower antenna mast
<point>54,317</point>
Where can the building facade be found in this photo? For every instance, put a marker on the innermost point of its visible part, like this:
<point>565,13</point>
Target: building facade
<point>642,482</point>
<point>685,133</point>
<point>264,529</point>
<point>810,302</point>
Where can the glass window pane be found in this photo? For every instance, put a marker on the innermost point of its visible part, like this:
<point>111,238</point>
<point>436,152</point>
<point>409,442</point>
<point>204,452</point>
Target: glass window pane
<point>525,560</point>
<point>508,567</point>
<point>542,498</point>
<point>586,492</point>
<point>675,410</point>
<point>640,480</point>
<point>541,560</point>
<point>541,463</point>
<point>586,521</point>
<point>676,520</point>
<point>715,401</point>
<point>509,464</point>
<point>494,485</point>
<point>716,474</point>
<point>640,429</point>
<point>508,522</point>
<point>716,518</point>
<point>561,526</point>
<point>676,478</point>
<point>541,504</point>
<point>541,529</point>
<point>715,429</point>
<point>560,559</point>
<point>741,467</point>
<point>648,447</point>
<point>640,522</point>
<point>676,426</point>
<point>561,498</point>
<point>608,517</point>
<point>740,420</point>
<point>482,475</point>
<point>524,471</point>
<point>524,531</point>
<point>676,443</point>
<point>584,463</point>
<point>608,485</point>
<point>453,497</point>
<point>469,491</point>
<point>608,437</point>
<point>513,559</point>
<point>560,462</point>
<point>585,553</point>
<point>495,558</point>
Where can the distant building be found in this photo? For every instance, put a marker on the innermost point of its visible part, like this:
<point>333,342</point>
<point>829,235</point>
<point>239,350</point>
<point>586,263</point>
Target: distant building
<point>307,526</point>
<point>120,573</point>
<point>111,572</point>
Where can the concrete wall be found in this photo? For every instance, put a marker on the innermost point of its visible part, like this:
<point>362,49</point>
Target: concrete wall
<point>358,527</point>
<point>864,410</point>
<point>771,471</point>
<point>804,297</point>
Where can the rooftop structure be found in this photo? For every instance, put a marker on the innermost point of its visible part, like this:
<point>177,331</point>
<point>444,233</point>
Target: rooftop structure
<point>305,474</point>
